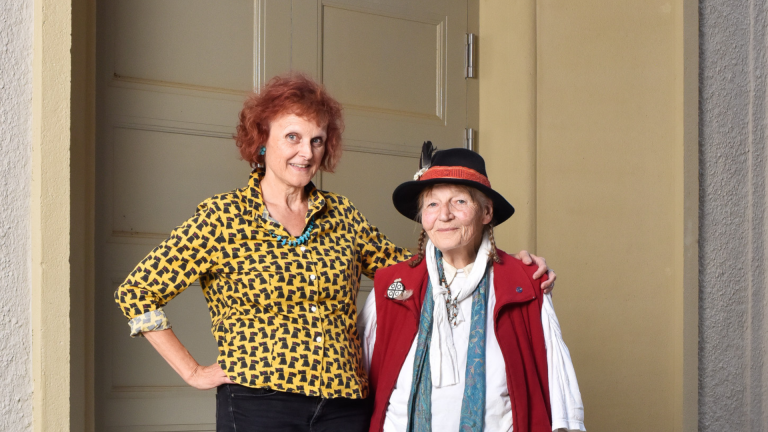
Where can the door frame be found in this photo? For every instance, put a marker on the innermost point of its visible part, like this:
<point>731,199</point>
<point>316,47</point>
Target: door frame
<point>62,214</point>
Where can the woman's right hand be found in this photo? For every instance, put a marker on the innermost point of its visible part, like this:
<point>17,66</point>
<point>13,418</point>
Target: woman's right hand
<point>208,377</point>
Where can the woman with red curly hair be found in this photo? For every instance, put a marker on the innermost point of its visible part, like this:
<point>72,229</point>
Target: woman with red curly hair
<point>279,262</point>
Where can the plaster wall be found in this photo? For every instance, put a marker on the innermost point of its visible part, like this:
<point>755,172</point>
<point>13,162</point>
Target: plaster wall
<point>16,41</point>
<point>732,321</point>
<point>588,117</point>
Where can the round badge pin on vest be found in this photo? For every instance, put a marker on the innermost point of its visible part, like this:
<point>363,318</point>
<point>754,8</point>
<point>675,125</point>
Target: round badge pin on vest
<point>396,289</point>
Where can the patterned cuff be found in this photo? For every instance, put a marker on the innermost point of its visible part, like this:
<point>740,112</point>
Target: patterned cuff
<point>151,321</point>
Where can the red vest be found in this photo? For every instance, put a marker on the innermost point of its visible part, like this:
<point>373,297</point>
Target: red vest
<point>517,318</point>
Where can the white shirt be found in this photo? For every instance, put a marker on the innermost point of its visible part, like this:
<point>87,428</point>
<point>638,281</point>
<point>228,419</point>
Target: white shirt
<point>567,407</point>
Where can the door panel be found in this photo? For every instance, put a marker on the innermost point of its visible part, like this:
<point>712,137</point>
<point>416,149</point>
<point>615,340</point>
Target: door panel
<point>151,168</point>
<point>358,68</point>
<point>170,41</point>
<point>172,78</point>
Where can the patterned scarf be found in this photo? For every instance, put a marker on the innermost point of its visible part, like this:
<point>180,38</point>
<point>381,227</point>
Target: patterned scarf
<point>473,402</point>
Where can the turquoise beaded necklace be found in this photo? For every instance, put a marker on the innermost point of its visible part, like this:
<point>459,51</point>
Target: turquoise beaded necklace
<point>299,240</point>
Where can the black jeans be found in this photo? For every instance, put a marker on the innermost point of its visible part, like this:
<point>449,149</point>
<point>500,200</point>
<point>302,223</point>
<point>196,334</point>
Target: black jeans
<point>245,409</point>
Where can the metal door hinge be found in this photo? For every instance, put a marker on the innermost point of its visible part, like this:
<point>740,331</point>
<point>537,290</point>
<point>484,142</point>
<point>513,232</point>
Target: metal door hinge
<point>469,57</point>
<point>469,139</point>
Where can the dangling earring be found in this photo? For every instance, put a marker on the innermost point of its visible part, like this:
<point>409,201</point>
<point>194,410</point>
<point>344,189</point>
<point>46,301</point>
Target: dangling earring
<point>263,151</point>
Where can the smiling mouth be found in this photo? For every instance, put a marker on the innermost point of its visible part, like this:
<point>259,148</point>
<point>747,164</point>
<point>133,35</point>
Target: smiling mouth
<point>298,165</point>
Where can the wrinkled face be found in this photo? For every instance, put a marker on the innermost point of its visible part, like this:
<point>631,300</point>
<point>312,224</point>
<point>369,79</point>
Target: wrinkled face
<point>295,149</point>
<point>453,220</point>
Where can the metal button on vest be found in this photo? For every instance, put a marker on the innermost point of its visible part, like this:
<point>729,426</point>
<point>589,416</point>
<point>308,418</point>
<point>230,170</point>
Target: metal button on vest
<point>519,289</point>
<point>313,277</point>
<point>319,339</point>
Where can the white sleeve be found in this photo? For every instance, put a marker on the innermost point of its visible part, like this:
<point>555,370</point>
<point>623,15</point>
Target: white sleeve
<point>366,325</point>
<point>564,394</point>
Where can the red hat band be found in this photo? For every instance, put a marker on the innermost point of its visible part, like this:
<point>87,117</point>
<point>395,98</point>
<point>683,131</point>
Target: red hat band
<point>461,173</point>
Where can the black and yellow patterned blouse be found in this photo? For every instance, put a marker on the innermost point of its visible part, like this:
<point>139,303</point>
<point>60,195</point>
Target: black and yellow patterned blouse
<point>284,316</point>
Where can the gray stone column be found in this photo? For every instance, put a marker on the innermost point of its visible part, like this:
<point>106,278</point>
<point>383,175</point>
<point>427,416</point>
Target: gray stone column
<point>732,322</point>
<point>16,22</point>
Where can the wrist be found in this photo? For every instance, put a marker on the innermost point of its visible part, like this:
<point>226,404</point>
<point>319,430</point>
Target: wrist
<point>192,373</point>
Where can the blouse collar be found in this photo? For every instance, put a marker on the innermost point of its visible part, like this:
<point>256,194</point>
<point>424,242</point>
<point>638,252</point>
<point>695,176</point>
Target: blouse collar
<point>255,199</point>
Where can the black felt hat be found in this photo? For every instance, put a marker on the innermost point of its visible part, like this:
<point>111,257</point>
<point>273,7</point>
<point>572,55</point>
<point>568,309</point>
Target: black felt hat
<point>453,166</point>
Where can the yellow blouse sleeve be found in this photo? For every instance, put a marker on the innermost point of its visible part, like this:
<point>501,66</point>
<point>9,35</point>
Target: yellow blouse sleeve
<point>377,250</point>
<point>190,251</point>
<point>154,320</point>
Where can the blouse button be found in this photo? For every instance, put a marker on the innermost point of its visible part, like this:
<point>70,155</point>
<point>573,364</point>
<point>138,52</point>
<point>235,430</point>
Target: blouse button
<point>313,308</point>
<point>303,248</point>
<point>319,339</point>
<point>313,277</point>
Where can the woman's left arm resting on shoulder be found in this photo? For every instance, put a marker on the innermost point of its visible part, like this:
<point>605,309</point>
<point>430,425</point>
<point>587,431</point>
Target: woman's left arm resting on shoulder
<point>528,258</point>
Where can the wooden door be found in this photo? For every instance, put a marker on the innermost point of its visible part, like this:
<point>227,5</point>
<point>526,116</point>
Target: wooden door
<point>172,77</point>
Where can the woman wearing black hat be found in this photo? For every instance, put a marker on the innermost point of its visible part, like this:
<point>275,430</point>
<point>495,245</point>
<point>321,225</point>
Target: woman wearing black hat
<point>460,337</point>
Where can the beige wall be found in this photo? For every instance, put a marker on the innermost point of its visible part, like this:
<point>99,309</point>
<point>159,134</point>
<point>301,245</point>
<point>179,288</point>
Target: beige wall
<point>588,123</point>
<point>62,215</point>
<point>51,215</point>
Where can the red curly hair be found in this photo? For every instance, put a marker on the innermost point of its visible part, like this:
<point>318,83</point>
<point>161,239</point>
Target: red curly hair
<point>296,94</point>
